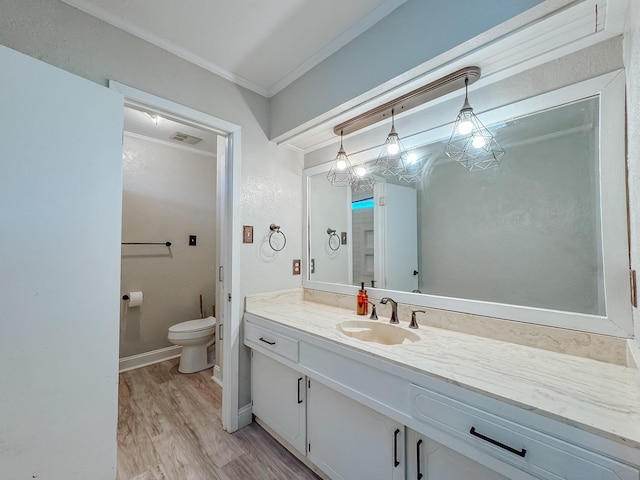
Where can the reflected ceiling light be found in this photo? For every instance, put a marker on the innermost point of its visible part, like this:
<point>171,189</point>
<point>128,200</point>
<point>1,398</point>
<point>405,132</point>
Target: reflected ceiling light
<point>471,144</point>
<point>363,179</point>
<point>155,118</point>
<point>341,173</point>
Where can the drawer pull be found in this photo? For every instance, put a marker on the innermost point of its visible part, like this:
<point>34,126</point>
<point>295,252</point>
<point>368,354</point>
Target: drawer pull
<point>520,453</point>
<point>267,341</point>
<point>299,399</point>
<point>395,448</point>
<point>419,474</point>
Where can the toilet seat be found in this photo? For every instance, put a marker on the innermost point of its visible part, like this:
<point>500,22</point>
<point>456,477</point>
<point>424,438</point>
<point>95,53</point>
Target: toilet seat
<point>193,326</point>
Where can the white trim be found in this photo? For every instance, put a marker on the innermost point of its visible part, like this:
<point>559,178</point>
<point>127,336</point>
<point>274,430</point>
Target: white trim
<point>217,375</point>
<point>245,415</point>
<point>360,27</point>
<point>169,144</point>
<point>149,358</point>
<point>228,195</point>
<point>618,321</point>
<point>633,353</point>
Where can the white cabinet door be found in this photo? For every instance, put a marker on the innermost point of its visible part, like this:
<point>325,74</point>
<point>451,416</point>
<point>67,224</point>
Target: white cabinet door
<point>429,460</point>
<point>279,399</point>
<point>349,441</point>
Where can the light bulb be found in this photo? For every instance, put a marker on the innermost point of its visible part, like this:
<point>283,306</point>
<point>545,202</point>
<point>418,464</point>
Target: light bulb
<point>412,158</point>
<point>341,164</point>
<point>465,127</point>
<point>479,141</point>
<point>393,148</point>
<point>361,171</point>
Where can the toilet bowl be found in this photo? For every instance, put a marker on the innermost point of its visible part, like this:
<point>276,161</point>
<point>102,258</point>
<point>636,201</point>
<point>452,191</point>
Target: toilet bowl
<point>194,336</point>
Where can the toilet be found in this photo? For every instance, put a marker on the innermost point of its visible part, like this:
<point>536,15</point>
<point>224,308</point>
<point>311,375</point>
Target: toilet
<point>194,336</point>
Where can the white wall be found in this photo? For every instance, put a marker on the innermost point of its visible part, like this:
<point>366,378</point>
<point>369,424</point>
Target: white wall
<point>271,176</point>
<point>632,65</point>
<point>168,193</point>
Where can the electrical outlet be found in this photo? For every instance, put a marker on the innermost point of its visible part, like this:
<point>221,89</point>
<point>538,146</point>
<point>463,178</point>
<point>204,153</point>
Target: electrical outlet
<point>192,240</point>
<point>247,234</point>
<point>296,267</point>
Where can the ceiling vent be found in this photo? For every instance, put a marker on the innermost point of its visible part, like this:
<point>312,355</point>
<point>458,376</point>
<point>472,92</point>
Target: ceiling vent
<point>184,138</point>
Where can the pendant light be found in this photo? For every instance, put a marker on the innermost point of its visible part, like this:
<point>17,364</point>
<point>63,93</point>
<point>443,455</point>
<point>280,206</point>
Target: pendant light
<point>341,173</point>
<point>471,144</point>
<point>391,160</point>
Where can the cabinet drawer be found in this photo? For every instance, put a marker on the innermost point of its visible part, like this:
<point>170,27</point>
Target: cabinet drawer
<point>266,340</point>
<point>532,451</point>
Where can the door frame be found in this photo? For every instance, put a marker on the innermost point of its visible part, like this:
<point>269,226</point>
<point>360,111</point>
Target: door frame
<point>228,240</point>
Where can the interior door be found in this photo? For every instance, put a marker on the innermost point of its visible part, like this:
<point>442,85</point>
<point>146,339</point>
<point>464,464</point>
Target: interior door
<point>396,237</point>
<point>60,222</point>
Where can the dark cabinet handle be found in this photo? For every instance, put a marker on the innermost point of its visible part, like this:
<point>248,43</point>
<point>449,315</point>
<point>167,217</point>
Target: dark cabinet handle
<point>267,341</point>
<point>395,448</point>
<point>419,476</point>
<point>520,453</point>
<point>299,399</point>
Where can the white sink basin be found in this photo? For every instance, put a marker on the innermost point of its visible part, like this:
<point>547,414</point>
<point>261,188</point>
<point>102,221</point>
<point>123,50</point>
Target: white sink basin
<point>377,332</point>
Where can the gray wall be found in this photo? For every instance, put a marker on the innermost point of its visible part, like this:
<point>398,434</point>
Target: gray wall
<point>417,31</point>
<point>169,193</point>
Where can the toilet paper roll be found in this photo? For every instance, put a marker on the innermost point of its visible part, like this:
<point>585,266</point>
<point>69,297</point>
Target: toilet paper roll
<point>135,299</point>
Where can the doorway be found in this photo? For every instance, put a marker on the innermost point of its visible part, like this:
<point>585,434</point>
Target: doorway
<point>225,278</point>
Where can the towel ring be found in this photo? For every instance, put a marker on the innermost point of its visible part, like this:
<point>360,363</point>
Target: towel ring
<point>276,229</point>
<point>332,233</point>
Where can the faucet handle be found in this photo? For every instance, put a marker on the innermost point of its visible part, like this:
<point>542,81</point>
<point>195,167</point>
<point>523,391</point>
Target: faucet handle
<point>414,322</point>
<point>374,315</point>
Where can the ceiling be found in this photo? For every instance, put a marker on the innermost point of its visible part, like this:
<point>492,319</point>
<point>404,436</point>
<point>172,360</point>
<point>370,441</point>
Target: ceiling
<point>259,44</point>
<point>165,130</point>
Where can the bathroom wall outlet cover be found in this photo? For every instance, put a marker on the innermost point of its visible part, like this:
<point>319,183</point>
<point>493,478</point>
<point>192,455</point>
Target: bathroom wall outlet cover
<point>296,267</point>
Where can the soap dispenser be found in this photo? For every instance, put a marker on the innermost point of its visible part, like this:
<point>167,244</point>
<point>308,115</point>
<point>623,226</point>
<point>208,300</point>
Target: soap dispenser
<point>362,301</point>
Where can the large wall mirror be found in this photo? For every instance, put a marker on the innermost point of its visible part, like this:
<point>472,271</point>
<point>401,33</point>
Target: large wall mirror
<point>541,238</point>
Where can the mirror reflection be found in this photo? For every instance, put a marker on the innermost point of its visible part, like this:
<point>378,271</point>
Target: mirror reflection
<point>525,233</point>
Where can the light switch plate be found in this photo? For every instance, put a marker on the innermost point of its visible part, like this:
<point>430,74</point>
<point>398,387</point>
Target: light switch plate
<point>192,240</point>
<point>247,234</point>
<point>343,238</point>
<point>296,267</point>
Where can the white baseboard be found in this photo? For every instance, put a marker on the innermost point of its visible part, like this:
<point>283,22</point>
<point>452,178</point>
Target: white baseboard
<point>217,375</point>
<point>245,416</point>
<point>149,358</point>
<point>633,353</point>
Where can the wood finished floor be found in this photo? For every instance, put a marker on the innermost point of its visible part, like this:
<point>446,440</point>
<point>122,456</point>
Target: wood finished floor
<point>169,428</point>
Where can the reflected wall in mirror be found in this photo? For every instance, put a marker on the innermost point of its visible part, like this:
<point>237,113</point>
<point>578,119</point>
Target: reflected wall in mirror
<point>526,233</point>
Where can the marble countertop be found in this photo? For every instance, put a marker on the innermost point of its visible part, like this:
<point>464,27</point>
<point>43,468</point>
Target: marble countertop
<point>595,396</point>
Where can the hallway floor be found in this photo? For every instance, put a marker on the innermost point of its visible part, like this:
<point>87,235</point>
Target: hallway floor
<point>169,428</point>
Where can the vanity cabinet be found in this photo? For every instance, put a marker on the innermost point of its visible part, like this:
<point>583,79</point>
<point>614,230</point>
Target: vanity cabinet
<point>279,399</point>
<point>430,460</point>
<point>349,441</point>
<point>356,416</point>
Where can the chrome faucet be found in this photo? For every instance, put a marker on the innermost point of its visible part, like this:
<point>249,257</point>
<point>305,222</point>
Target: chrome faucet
<point>394,309</point>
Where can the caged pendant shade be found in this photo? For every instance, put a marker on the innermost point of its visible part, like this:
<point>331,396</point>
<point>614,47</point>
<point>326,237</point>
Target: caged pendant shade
<point>471,144</point>
<point>391,160</point>
<point>341,173</point>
